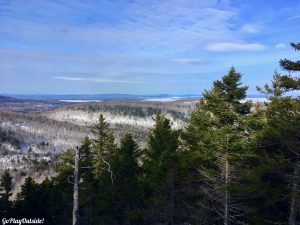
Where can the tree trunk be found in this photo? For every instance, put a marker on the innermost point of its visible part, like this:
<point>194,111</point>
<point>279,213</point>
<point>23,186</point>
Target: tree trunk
<point>76,189</point>
<point>293,202</point>
<point>226,205</point>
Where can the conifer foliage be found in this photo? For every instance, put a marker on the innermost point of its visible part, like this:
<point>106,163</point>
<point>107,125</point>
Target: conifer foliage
<point>216,143</point>
<point>5,194</point>
<point>235,162</point>
<point>160,166</point>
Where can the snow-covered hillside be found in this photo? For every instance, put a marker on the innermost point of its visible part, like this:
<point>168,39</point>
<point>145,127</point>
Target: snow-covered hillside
<point>37,137</point>
<point>85,118</point>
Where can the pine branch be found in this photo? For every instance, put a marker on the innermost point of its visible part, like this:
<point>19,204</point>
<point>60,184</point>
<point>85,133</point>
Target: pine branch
<point>296,46</point>
<point>289,65</point>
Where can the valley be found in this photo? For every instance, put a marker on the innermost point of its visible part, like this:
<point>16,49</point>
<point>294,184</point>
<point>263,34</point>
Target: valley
<point>34,132</point>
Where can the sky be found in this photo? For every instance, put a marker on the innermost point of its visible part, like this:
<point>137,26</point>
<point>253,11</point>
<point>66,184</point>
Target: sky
<point>142,46</point>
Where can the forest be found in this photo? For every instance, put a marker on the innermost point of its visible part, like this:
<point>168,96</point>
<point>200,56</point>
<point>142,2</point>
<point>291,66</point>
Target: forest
<point>235,162</point>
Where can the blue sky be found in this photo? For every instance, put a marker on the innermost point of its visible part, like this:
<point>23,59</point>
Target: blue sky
<point>141,47</point>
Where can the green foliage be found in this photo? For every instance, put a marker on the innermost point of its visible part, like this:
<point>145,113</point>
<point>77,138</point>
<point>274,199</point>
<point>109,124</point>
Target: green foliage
<point>278,143</point>
<point>103,145</point>
<point>127,189</point>
<point>229,165</point>
<point>5,194</point>
<point>218,141</point>
<point>5,185</point>
<point>227,94</point>
<point>291,65</point>
<point>281,84</point>
<point>28,200</point>
<point>286,83</point>
<point>161,153</point>
<point>128,110</point>
<point>160,168</point>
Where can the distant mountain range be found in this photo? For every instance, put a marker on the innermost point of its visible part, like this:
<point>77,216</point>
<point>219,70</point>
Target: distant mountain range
<point>108,97</point>
<point>6,98</point>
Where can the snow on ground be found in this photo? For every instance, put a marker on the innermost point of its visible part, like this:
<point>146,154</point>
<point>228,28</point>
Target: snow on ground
<point>85,118</point>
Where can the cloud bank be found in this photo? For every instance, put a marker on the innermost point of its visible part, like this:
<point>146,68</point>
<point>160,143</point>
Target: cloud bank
<point>233,47</point>
<point>92,79</point>
<point>138,46</point>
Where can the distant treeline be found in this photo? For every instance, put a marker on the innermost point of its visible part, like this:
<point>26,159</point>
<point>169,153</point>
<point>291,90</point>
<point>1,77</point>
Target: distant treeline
<point>127,110</point>
<point>232,164</point>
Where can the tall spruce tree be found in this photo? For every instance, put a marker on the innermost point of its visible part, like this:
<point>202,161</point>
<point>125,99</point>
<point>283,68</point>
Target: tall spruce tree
<point>160,171</point>
<point>5,194</point>
<point>127,190</point>
<point>281,141</point>
<point>104,152</point>
<point>213,145</point>
<point>28,200</point>
<point>88,185</point>
<point>103,146</point>
<point>224,99</point>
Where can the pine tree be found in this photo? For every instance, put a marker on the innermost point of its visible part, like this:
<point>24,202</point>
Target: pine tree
<point>287,82</point>
<point>289,65</point>
<point>160,170</point>
<point>284,83</point>
<point>89,184</point>
<point>28,200</point>
<point>127,190</point>
<point>103,151</point>
<point>49,200</point>
<point>103,146</point>
<point>213,145</point>
<point>87,187</point>
<point>61,190</point>
<point>281,138</point>
<point>5,193</point>
<point>224,100</point>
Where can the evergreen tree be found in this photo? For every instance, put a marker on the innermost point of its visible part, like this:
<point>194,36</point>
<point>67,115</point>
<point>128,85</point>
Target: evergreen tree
<point>51,203</point>
<point>88,187</point>
<point>127,189</point>
<point>103,146</point>
<point>62,190</point>
<point>289,65</point>
<point>224,99</point>
<point>160,170</point>
<point>88,184</point>
<point>103,151</point>
<point>280,142</point>
<point>214,147</point>
<point>5,194</point>
<point>28,200</point>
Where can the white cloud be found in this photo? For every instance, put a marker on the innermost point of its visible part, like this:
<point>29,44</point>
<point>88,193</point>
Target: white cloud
<point>104,80</point>
<point>69,78</point>
<point>250,29</point>
<point>294,18</point>
<point>156,24</point>
<point>92,79</point>
<point>280,45</point>
<point>190,61</point>
<point>231,47</point>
